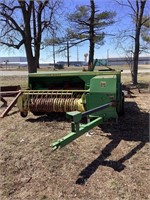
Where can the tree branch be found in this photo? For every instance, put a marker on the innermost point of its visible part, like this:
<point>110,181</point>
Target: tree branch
<point>17,46</point>
<point>11,9</point>
<point>65,48</point>
<point>131,6</point>
<point>13,21</point>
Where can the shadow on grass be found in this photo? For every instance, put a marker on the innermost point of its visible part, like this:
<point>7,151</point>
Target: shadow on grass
<point>131,127</point>
<point>59,117</point>
<point>14,112</point>
<point>143,85</point>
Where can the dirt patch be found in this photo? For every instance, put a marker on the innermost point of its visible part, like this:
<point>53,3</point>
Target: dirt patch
<point>111,163</point>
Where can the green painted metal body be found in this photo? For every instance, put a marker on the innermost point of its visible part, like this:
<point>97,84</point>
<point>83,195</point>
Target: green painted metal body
<point>98,87</point>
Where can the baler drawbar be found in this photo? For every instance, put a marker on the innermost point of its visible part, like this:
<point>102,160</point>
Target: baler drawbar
<point>78,129</point>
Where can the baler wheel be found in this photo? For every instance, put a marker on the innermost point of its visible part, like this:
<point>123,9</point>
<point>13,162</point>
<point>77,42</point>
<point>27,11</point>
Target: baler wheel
<point>23,114</point>
<point>121,112</point>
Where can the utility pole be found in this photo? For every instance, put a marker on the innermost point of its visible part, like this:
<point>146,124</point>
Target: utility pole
<point>68,62</point>
<point>77,53</point>
<point>107,56</point>
<point>54,47</point>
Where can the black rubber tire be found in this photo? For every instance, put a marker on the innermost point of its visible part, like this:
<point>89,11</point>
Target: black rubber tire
<point>122,105</point>
<point>23,114</point>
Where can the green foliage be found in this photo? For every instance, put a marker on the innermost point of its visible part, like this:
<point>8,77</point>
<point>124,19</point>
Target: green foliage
<point>80,23</point>
<point>146,29</point>
<point>52,41</point>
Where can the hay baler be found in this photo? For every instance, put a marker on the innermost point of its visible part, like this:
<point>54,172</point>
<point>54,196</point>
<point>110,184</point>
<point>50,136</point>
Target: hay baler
<point>95,95</point>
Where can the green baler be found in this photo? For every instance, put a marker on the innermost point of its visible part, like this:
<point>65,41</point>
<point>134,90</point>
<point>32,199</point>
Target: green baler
<point>95,95</point>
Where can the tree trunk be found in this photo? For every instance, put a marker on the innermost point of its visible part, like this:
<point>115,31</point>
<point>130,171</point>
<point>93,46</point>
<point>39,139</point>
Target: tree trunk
<point>136,58</point>
<point>37,55</point>
<point>139,17</point>
<point>32,61</point>
<point>37,36</point>
<point>91,55</point>
<point>32,64</point>
<point>92,35</point>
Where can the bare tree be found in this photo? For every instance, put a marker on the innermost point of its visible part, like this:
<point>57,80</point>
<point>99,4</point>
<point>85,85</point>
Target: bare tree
<point>23,23</point>
<point>137,7</point>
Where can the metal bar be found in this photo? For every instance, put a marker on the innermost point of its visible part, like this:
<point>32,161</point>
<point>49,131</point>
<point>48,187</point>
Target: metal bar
<point>66,74</point>
<point>41,93</point>
<point>74,135</point>
<point>93,67</point>
<point>9,94</point>
<point>97,109</point>
<point>45,91</point>
<point>10,88</point>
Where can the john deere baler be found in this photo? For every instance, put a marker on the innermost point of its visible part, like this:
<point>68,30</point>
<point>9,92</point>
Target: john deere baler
<point>70,91</point>
<point>97,95</point>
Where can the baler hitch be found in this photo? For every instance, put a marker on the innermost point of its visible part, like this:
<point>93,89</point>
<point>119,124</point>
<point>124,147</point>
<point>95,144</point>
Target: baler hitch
<point>77,128</point>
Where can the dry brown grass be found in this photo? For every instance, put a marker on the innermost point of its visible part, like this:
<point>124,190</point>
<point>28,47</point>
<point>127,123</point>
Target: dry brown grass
<point>143,79</point>
<point>112,163</point>
<point>14,80</point>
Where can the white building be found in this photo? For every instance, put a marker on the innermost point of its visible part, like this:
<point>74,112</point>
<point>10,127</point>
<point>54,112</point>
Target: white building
<point>13,61</point>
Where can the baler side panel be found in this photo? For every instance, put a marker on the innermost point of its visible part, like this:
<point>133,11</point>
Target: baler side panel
<point>102,91</point>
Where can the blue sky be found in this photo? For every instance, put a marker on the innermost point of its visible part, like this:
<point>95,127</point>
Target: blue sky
<point>110,47</point>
